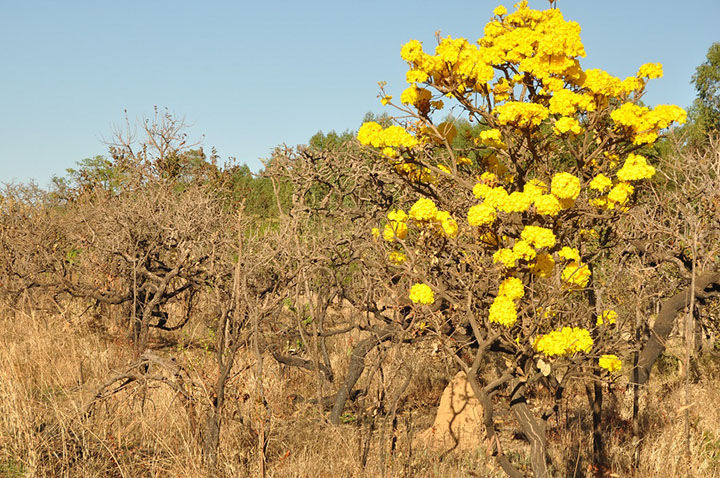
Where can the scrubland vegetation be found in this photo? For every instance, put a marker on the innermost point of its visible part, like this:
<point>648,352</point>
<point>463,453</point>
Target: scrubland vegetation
<point>164,314</point>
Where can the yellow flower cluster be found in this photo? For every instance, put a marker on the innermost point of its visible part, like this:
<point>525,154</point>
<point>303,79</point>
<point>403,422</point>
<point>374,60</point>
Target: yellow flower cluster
<point>538,237</point>
<point>567,341</point>
<point>448,225</point>
<point>541,43</point>
<point>601,183</point>
<point>600,82</point>
<point>396,226</point>
<point>494,196</point>
<point>497,198</point>
<point>424,209</point>
<point>645,123</point>
<point>547,205</point>
<point>426,212</point>
<point>565,186</point>
<point>607,316</point>
<point>516,202</point>
<point>371,133</point>
<point>566,102</point>
<point>650,71</point>
<point>422,294</point>
<point>532,238</point>
<point>521,114</point>
<point>506,257</point>
<point>413,172</point>
<point>500,10</point>
<point>492,138</point>
<point>481,215</point>
<point>502,311</point>
<point>566,124</point>
<point>453,57</point>
<point>635,168</point>
<point>522,250</point>
<point>576,275</point>
<point>535,188</point>
<point>543,266</point>
<point>415,76</point>
<point>620,193</point>
<point>418,97</point>
<point>397,257</point>
<point>632,84</point>
<point>569,253</point>
<point>512,287</point>
<point>610,363</point>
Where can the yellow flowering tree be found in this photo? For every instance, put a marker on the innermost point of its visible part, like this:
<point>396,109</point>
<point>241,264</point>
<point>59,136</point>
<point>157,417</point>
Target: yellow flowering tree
<point>501,239</point>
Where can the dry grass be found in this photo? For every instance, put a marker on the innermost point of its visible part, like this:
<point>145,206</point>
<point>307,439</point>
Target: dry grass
<point>54,361</point>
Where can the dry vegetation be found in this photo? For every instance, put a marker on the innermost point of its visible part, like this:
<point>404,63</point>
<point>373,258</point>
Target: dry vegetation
<point>158,329</point>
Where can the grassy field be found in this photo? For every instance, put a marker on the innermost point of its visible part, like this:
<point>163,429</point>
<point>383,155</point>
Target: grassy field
<point>54,361</point>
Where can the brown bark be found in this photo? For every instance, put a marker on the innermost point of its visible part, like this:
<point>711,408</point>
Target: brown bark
<point>666,319</point>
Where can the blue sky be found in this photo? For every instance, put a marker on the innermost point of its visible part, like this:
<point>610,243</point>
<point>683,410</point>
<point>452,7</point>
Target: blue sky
<point>249,76</point>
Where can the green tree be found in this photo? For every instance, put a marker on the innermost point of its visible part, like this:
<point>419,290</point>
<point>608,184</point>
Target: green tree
<point>705,111</point>
<point>321,141</point>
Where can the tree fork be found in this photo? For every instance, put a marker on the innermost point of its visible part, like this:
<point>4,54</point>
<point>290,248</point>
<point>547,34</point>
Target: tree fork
<point>666,319</point>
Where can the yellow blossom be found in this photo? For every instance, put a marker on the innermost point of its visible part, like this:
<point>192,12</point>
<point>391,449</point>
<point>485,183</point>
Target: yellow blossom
<point>481,215</point>
<point>635,168</point>
<point>512,287</point>
<point>447,223</point>
<point>506,257</point>
<point>524,251</point>
<point>576,275</point>
<point>503,312</point>
<point>397,257</point>
<point>547,205</point>
<point>416,76</point>
<point>516,202</point>
<point>601,183</point>
<point>412,51</point>
<point>521,114</point>
<point>607,316</point>
<point>565,186</point>
<point>418,97</point>
<point>621,193</point>
<point>424,209</point>
<point>395,229</point>
<point>567,341</point>
<point>543,265</point>
<point>569,253</point>
<point>422,294</point>
<point>492,138</point>
<point>610,362</point>
<point>565,124</point>
<point>650,71</point>
<point>534,189</point>
<point>537,236</point>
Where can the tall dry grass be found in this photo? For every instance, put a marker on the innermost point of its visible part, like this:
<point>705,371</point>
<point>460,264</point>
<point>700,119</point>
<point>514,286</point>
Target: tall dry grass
<point>55,358</point>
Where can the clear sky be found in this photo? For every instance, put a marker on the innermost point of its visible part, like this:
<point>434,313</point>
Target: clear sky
<point>252,75</point>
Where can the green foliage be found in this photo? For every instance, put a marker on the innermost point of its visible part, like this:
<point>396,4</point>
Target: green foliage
<point>383,119</point>
<point>95,172</point>
<point>321,141</point>
<point>11,468</point>
<point>704,115</point>
<point>239,183</point>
